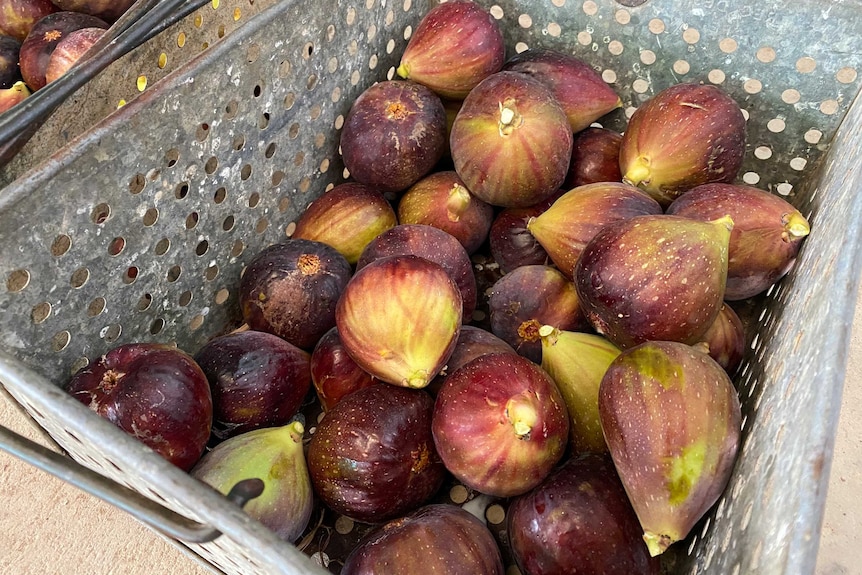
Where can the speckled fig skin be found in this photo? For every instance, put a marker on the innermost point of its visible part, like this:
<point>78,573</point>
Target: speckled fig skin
<point>572,221</point>
<point>455,46</point>
<point>684,136</point>
<point>472,342</point>
<point>394,133</point>
<point>654,277</point>
<point>671,418</point>
<point>581,91</point>
<point>767,233</point>
<point>595,158</point>
<point>725,339</point>
<point>511,143</point>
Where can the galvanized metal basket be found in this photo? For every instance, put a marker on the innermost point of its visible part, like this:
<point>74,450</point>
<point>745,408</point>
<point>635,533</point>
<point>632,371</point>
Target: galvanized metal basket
<point>139,229</point>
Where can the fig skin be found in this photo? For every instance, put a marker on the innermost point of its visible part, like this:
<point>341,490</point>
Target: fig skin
<point>500,424</point>
<point>393,135</point>
<point>579,520</point>
<point>347,217</point>
<point>291,289</point>
<point>69,50</point>
<point>767,233</point>
<point>472,342</point>
<point>654,277</point>
<point>275,456</point>
<point>156,393</point>
<point>595,158</point>
<point>12,96</point>
<point>455,46</point>
<point>581,91</point>
<point>511,143</point>
<point>684,136</point>
<point>257,379</point>
<point>17,17</point>
<point>441,200</point>
<point>9,70</point>
<point>372,457</point>
<point>334,374</point>
<point>107,10</point>
<point>671,419</point>
<point>725,339</point>
<point>511,243</point>
<point>565,228</point>
<point>399,318</point>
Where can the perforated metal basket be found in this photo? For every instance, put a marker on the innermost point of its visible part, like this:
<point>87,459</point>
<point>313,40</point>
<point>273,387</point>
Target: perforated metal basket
<point>139,229</point>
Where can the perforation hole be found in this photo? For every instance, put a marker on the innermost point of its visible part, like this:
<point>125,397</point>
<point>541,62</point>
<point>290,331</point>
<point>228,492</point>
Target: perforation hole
<point>145,302</point>
<point>211,165</point>
<point>211,272</point>
<point>61,340</point>
<point>185,298</point>
<point>192,220</point>
<point>79,277</point>
<point>202,132</point>
<point>151,216</point>
<point>61,245</point>
<point>137,184</point>
<point>157,326</point>
<point>182,190</point>
<point>237,249</point>
<point>245,172</point>
<point>172,156</point>
<point>228,223</point>
<point>263,121</point>
<point>174,273</point>
<point>162,246</point>
<point>238,142</point>
<point>220,195</point>
<point>222,296</point>
<point>270,150</point>
<point>130,275</point>
<point>96,306</point>
<point>40,312</point>
<point>100,213</point>
<point>116,246</point>
<point>202,247</point>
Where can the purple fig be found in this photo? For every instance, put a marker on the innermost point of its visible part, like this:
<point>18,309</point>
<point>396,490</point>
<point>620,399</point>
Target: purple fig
<point>10,72</point>
<point>725,339</point>
<point>595,158</point>
<point>334,374</point>
<point>472,342</point>
<point>511,243</point>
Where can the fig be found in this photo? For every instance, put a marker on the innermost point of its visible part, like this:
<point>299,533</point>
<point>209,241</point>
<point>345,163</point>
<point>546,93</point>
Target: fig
<point>108,10</point>
<point>17,17</point>
<point>291,289</point>
<point>435,539</point>
<point>577,362</point>
<point>595,157</point>
<point>69,50</point>
<point>398,319</point>
<point>579,520</point>
<point>455,46</point>
<point>528,297</point>
<point>511,142</point>
<point>9,70</point>
<point>725,339</point>
<point>393,135</point>
<point>571,222</point>
<point>511,243</point>
<point>581,91</point>
<point>500,424</point>
<point>441,200</point>
<point>472,342</point>
<point>432,244</point>
<point>275,456</point>
<point>256,379</point>
<point>155,393</point>
<point>334,374</point>
<point>11,96</point>
<point>671,418</point>
<point>372,457</point>
<point>654,277</point>
<point>684,136</point>
<point>347,217</point>
<point>767,233</point>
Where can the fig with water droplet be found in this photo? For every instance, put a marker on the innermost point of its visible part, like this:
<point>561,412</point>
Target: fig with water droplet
<point>511,243</point>
<point>595,157</point>
<point>654,277</point>
<point>671,419</point>
<point>334,374</point>
<point>684,136</point>
<point>725,339</point>
<point>767,233</point>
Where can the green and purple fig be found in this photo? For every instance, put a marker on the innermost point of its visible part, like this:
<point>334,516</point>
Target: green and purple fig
<point>14,95</point>
<point>511,142</point>
<point>671,418</point>
<point>684,136</point>
<point>577,362</point>
<point>725,339</point>
<point>654,277</point>
<point>455,46</point>
<point>274,455</point>
<point>595,157</point>
<point>572,221</point>
<point>347,217</point>
<point>767,233</point>
<point>398,319</point>
<point>581,91</point>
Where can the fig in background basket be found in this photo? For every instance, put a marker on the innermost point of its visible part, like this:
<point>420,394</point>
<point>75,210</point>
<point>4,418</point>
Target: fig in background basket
<point>153,392</point>
<point>10,72</point>
<point>14,95</point>
<point>18,16</point>
<point>108,10</point>
<point>595,158</point>
<point>69,50</point>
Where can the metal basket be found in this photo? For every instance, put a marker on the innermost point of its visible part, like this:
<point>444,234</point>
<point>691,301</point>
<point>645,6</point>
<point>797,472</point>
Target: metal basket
<point>139,230</point>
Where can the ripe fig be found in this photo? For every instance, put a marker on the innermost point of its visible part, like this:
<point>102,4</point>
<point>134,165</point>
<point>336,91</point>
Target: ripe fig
<point>500,424</point>
<point>577,362</point>
<point>654,277</point>
<point>767,233</point>
<point>595,157</point>
<point>671,419</point>
<point>511,243</point>
<point>69,50</point>
<point>372,457</point>
<point>455,46</point>
<point>725,339</point>
<point>572,221</point>
<point>393,135</point>
<point>581,91</point>
<point>257,379</point>
<point>155,393</point>
<point>398,319</point>
<point>684,136</point>
<point>9,70</point>
<point>108,10</point>
<point>11,96</point>
<point>334,374</point>
<point>275,456</point>
<point>511,142</point>
<point>432,244</point>
<point>441,200</point>
<point>579,520</point>
<point>17,17</point>
<point>347,217</point>
<point>472,342</point>
<point>291,289</point>
<point>435,539</point>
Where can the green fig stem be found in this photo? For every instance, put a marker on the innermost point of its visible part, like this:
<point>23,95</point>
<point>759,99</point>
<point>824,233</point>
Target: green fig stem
<point>457,203</point>
<point>403,70</point>
<point>638,172</point>
<point>725,221</point>
<point>795,226</point>
<point>657,543</point>
<point>296,429</point>
<point>522,415</point>
<point>549,334</point>
<point>417,380</point>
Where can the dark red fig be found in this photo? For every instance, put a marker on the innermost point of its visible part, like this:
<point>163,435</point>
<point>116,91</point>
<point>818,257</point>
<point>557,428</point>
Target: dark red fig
<point>579,520</point>
<point>155,393</point>
<point>69,50</point>
<point>511,243</point>
<point>372,457</point>
<point>334,374</point>
<point>393,135</point>
<point>108,10</point>
<point>9,70</point>
<point>472,342</point>
<point>725,339</point>
<point>595,158</point>
<point>455,46</point>
<point>17,17</point>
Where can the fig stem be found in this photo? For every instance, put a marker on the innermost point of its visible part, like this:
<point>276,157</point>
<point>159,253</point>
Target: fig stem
<point>458,202</point>
<point>638,172</point>
<point>656,543</point>
<point>522,415</point>
<point>796,226</point>
<point>403,70</point>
